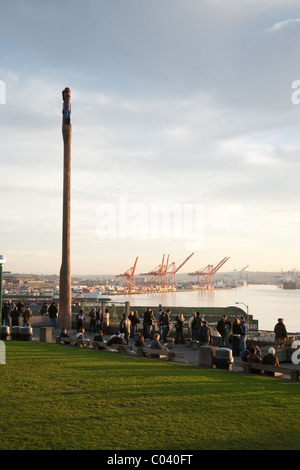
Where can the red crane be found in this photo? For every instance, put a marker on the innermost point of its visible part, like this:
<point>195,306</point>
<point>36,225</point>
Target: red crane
<point>206,279</point>
<point>128,278</point>
<point>156,277</point>
<point>171,275</point>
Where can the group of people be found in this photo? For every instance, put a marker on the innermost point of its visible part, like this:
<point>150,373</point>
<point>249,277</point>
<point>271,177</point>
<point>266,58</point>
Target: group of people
<point>99,321</point>
<point>253,355</point>
<point>199,329</point>
<point>12,313</point>
<point>233,334</point>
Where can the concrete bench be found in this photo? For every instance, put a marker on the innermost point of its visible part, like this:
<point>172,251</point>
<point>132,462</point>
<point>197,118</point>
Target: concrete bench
<point>293,373</point>
<point>99,345</point>
<point>170,342</point>
<point>158,353</point>
<point>72,341</point>
<point>127,349</point>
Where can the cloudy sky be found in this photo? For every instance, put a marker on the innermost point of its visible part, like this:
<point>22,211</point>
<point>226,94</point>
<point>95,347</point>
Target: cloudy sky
<point>175,103</point>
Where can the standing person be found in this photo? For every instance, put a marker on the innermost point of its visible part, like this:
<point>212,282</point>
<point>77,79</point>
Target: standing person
<point>236,337</point>
<point>6,312</point>
<point>159,321</point>
<point>27,315</point>
<point>125,326</point>
<point>223,328</point>
<point>280,333</point>
<point>105,321</point>
<point>190,323</point>
<point>168,322</point>
<point>179,329</point>
<point>243,335</point>
<point>53,315</point>
<point>99,320</point>
<point>44,309</point>
<point>80,320</point>
<point>196,325</point>
<point>21,307</point>
<point>93,317</point>
<point>204,334</point>
<point>271,360</point>
<point>147,322</point>
<point>15,315</point>
<point>135,320</point>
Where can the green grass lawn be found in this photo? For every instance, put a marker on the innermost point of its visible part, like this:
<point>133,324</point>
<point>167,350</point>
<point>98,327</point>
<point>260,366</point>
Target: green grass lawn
<point>59,397</point>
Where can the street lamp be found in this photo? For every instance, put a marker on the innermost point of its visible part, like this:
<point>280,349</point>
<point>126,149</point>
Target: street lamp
<point>247,311</point>
<point>2,261</point>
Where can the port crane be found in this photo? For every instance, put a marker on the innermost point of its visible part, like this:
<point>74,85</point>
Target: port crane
<point>128,278</point>
<point>171,275</point>
<point>164,275</point>
<point>206,279</point>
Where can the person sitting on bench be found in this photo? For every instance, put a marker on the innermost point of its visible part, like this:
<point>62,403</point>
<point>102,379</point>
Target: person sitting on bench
<point>271,360</point>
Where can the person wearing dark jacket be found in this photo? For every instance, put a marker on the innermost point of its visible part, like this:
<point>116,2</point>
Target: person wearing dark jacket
<point>15,315</point>
<point>196,325</point>
<point>179,329</point>
<point>6,312</point>
<point>271,360</point>
<point>223,327</point>
<point>280,333</point>
<point>253,358</point>
<point>27,315</point>
<point>237,331</point>
<point>53,315</point>
<point>147,322</point>
<point>204,334</point>
<point>80,320</point>
<point>116,339</point>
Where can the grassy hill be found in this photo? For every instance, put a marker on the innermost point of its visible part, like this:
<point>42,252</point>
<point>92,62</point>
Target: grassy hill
<point>59,397</point>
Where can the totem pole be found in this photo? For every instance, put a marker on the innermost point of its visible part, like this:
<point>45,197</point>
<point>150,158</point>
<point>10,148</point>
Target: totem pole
<point>65,303</point>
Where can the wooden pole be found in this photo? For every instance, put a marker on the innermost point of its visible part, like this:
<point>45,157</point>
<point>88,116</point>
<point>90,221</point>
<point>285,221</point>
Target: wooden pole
<point>65,303</point>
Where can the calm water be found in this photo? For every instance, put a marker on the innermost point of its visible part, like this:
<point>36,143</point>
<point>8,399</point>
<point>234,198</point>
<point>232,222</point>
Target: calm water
<point>265,303</point>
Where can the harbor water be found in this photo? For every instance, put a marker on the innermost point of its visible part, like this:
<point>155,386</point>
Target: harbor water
<point>266,303</point>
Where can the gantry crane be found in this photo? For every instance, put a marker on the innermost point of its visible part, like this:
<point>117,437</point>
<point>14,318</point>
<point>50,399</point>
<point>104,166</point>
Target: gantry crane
<point>171,275</point>
<point>206,276</point>
<point>128,278</point>
<point>164,275</point>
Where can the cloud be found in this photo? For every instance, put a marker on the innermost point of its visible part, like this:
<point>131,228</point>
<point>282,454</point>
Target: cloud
<point>284,24</point>
<point>170,103</point>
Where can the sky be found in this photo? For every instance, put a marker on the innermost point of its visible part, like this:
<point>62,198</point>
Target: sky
<point>181,108</point>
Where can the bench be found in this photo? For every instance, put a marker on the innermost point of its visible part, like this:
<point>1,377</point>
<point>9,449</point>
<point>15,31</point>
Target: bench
<point>158,353</point>
<point>100,345</point>
<point>72,341</point>
<point>126,349</point>
<point>293,373</point>
<point>170,342</point>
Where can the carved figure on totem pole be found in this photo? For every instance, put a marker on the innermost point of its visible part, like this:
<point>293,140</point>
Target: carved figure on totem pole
<point>66,111</point>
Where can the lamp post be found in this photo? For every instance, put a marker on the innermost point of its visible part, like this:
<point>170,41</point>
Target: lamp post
<point>247,311</point>
<point>2,261</point>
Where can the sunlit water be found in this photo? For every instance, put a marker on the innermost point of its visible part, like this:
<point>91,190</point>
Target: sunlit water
<point>266,303</point>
